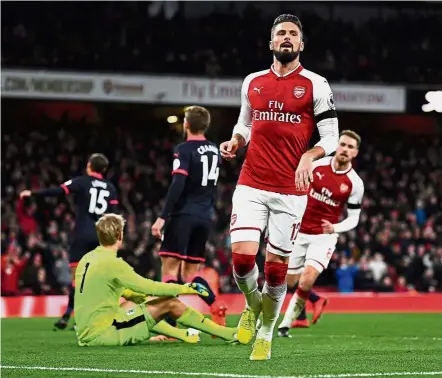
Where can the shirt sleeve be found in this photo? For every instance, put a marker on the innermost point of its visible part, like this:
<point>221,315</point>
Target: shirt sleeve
<point>181,162</point>
<point>173,194</point>
<point>348,223</point>
<point>126,277</point>
<point>353,208</point>
<point>244,125</point>
<point>325,116</point>
<point>72,186</point>
<point>356,195</point>
<point>133,296</point>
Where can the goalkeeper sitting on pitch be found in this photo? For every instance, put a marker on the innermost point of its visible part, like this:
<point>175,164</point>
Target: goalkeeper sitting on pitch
<point>102,279</point>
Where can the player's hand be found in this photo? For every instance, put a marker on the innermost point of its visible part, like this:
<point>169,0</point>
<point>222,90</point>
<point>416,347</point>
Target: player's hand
<point>157,227</point>
<point>197,288</point>
<point>25,193</point>
<point>228,149</point>
<point>327,227</point>
<point>304,173</point>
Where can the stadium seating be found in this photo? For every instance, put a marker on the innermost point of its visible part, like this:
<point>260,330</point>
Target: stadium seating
<point>132,38</point>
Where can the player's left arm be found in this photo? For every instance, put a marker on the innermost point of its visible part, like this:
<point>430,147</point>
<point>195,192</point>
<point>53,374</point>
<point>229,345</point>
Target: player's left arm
<point>326,119</point>
<point>125,275</point>
<point>113,200</point>
<point>353,209</point>
<point>71,186</point>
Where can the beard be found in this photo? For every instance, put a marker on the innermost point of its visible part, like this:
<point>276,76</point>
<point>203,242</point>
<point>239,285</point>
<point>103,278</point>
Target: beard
<point>285,57</point>
<point>342,159</point>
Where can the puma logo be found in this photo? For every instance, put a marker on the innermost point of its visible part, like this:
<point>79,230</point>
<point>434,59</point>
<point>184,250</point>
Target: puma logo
<point>258,89</point>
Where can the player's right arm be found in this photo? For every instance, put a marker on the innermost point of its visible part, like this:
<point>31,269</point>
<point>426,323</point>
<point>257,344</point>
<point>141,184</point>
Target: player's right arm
<point>133,296</point>
<point>181,164</point>
<point>242,130</point>
<point>125,275</point>
<point>70,186</point>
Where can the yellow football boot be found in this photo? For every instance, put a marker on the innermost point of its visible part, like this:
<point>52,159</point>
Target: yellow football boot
<point>261,350</point>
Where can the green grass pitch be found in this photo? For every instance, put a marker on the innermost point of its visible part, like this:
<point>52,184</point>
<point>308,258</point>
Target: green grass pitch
<point>341,345</point>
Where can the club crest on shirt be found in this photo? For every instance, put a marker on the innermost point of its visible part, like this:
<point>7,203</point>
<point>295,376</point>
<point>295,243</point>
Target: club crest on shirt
<point>331,102</point>
<point>299,91</point>
<point>176,164</point>
<point>343,188</point>
<point>130,312</point>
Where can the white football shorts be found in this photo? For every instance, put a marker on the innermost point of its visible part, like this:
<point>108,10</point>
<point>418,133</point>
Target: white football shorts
<point>255,210</point>
<point>313,250</point>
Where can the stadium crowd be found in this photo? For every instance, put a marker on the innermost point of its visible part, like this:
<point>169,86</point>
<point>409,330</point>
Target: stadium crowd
<point>144,37</point>
<point>396,247</point>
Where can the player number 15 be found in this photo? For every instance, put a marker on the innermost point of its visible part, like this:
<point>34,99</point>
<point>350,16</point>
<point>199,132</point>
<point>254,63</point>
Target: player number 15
<point>98,202</point>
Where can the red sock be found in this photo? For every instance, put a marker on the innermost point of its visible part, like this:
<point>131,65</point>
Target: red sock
<point>302,294</point>
<point>243,264</point>
<point>275,273</point>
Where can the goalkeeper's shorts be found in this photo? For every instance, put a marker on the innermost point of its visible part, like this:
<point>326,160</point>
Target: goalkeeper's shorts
<point>130,326</point>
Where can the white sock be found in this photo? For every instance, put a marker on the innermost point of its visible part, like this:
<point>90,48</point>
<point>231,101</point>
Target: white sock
<point>248,284</point>
<point>289,313</point>
<point>272,300</point>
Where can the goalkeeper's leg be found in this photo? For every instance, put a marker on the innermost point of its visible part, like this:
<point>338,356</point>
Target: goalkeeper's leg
<point>189,273</point>
<point>188,317</point>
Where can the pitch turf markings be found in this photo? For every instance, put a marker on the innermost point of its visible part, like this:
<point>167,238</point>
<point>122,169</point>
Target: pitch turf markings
<point>227,375</point>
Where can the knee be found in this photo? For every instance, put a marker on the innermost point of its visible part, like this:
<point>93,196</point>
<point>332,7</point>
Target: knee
<point>172,304</point>
<point>245,248</point>
<point>243,257</point>
<point>275,273</point>
<point>306,281</point>
<point>292,280</point>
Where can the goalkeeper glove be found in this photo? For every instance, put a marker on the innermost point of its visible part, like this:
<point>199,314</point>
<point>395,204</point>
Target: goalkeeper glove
<point>196,288</point>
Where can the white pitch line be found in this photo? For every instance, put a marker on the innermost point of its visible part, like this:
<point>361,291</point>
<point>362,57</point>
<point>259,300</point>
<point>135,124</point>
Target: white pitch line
<point>300,334</point>
<point>227,375</point>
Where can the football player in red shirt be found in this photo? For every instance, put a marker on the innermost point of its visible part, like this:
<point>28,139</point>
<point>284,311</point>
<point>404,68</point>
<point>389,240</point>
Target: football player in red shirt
<point>336,185</point>
<point>280,109</point>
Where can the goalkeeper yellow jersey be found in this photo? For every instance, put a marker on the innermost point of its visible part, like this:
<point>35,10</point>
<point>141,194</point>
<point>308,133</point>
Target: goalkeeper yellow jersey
<point>100,281</point>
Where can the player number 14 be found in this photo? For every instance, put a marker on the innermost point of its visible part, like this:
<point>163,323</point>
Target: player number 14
<point>214,170</point>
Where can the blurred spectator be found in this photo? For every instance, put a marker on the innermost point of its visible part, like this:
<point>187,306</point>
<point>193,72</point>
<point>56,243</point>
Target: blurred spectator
<point>346,275</point>
<point>364,277</point>
<point>12,266</point>
<point>401,285</point>
<point>378,267</point>
<point>386,286</point>
<point>62,271</point>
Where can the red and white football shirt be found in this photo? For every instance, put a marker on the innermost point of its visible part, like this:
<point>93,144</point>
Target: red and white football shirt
<point>330,191</point>
<point>278,116</point>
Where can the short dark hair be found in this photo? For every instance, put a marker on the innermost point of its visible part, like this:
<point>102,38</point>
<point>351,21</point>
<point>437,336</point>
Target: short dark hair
<point>99,163</point>
<point>198,119</point>
<point>287,18</point>
<point>353,135</point>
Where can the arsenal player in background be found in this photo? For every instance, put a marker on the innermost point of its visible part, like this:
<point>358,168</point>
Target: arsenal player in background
<point>280,108</point>
<point>336,185</point>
